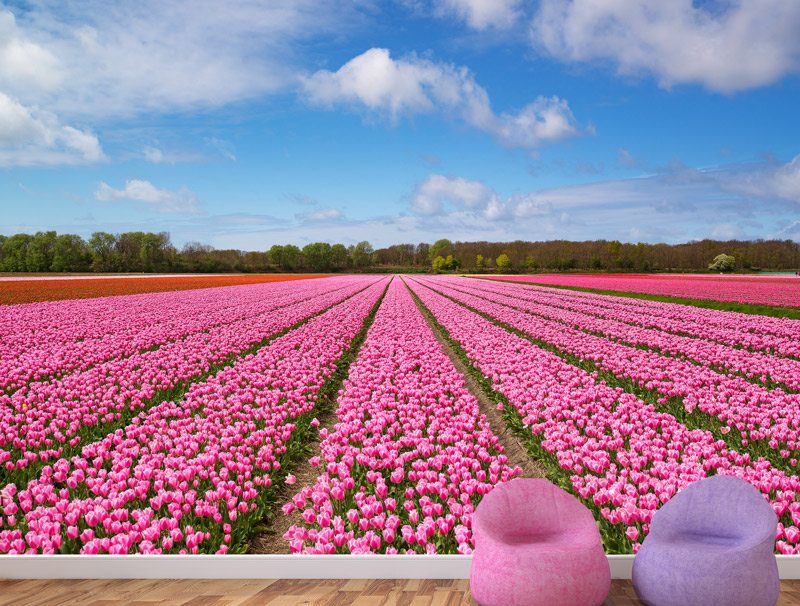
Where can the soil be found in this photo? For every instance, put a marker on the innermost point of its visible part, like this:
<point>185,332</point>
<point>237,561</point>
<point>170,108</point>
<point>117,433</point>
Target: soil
<point>517,454</point>
<point>271,540</point>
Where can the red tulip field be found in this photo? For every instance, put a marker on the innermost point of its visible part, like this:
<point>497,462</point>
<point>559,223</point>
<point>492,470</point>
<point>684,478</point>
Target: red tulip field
<point>23,289</point>
<point>370,414</point>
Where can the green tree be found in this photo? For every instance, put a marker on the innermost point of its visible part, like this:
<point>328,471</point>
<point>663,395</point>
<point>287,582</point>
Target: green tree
<point>196,257</point>
<point>155,251</point>
<point>318,256</point>
<point>438,264</point>
<point>71,253</point>
<point>503,262</point>
<point>15,252</point>
<point>292,257</point>
<point>103,247</point>
<point>613,249</point>
<point>39,255</point>
<point>479,261</point>
<point>361,254</point>
<point>288,257</point>
<point>129,248</point>
<point>723,262</point>
<point>451,262</point>
<point>339,258</point>
<point>438,247</point>
<point>275,255</point>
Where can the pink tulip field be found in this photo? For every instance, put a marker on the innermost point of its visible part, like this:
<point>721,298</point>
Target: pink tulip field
<point>755,289</point>
<point>189,422</point>
<point>621,454</point>
<point>51,339</point>
<point>410,454</point>
<point>179,475</point>
<point>770,418</point>
<point>43,418</point>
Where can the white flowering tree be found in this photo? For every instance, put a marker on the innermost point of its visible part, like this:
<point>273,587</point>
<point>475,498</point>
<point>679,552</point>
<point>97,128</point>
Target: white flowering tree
<point>723,262</point>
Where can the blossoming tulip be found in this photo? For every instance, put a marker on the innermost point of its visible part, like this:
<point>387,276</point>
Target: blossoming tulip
<point>403,408</point>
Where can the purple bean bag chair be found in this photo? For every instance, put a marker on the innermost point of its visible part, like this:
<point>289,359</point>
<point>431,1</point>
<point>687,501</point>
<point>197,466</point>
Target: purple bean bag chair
<point>712,544</point>
<point>536,544</point>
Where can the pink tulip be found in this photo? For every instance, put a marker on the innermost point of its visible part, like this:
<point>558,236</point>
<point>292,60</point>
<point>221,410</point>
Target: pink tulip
<point>777,290</point>
<point>398,340</point>
<point>578,410</point>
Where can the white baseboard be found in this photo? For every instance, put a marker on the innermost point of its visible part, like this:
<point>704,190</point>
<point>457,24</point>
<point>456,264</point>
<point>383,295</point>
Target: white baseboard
<point>274,567</point>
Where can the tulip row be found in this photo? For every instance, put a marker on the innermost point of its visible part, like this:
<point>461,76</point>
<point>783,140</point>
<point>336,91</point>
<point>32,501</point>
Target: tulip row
<point>190,476</point>
<point>39,422</point>
<point>757,290</point>
<point>778,336</point>
<point>762,327</point>
<point>616,452</point>
<point>757,367</point>
<point>84,333</point>
<point>762,421</point>
<point>410,455</point>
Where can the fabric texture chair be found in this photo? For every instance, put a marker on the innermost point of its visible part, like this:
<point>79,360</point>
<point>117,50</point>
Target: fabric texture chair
<point>712,544</point>
<point>536,544</point>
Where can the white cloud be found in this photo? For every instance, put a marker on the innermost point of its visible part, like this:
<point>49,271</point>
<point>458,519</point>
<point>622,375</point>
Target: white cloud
<point>162,200</point>
<point>99,60</point>
<point>439,195</point>
<point>434,192</point>
<point>676,204</point>
<point>379,82</point>
<point>321,215</point>
<point>773,181</point>
<point>546,119</point>
<point>395,87</point>
<point>725,46</point>
<point>104,59</point>
<point>31,137</point>
<point>482,14</point>
<point>156,155</point>
<point>153,155</point>
<point>24,64</point>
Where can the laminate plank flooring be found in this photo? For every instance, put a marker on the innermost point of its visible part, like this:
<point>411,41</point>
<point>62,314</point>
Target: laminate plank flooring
<point>352,592</point>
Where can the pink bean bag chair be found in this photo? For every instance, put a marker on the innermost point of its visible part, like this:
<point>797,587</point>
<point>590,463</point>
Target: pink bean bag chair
<point>536,544</point>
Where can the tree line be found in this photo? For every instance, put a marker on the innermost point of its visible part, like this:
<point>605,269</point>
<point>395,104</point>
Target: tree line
<point>48,251</point>
<point>610,256</point>
<point>143,252</point>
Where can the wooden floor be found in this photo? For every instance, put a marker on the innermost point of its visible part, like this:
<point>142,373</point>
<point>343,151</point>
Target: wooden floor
<point>276,593</point>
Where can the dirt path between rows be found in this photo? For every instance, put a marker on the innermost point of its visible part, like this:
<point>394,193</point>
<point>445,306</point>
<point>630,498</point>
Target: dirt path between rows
<point>271,540</point>
<point>517,454</point>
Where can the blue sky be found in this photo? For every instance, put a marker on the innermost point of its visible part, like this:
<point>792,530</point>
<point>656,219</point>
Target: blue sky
<point>247,123</point>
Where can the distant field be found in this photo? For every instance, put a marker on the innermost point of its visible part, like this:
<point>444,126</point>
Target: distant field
<point>19,289</point>
<point>778,290</point>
